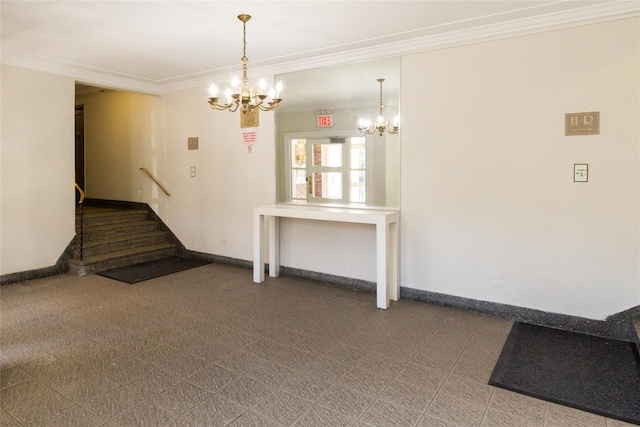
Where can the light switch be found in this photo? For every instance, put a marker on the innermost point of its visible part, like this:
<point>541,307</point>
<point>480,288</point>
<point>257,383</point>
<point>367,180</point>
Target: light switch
<point>580,173</point>
<point>193,171</point>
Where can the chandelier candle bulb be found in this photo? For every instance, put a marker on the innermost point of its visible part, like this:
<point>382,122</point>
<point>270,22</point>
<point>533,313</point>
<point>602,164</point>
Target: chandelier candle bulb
<point>235,83</point>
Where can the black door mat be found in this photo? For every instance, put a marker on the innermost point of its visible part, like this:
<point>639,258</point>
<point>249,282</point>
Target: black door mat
<point>589,373</point>
<point>152,269</point>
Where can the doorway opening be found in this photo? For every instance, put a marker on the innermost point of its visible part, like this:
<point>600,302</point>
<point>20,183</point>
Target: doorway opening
<point>79,149</point>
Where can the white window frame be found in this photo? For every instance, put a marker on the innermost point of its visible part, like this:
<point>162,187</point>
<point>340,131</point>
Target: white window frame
<point>346,166</point>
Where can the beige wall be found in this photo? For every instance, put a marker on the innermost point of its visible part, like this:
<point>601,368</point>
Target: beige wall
<point>486,186</point>
<point>487,173</point>
<point>37,169</point>
<point>213,212</point>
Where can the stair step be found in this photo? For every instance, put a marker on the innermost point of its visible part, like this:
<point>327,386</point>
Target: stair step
<point>116,236</point>
<point>102,216</point>
<point>101,232</point>
<point>117,243</point>
<point>121,258</point>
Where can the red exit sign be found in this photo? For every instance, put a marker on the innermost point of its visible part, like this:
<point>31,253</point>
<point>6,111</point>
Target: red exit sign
<point>325,120</point>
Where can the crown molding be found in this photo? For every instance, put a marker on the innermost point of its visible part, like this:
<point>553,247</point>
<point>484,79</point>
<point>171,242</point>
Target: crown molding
<point>81,74</point>
<point>515,28</point>
<point>610,11</point>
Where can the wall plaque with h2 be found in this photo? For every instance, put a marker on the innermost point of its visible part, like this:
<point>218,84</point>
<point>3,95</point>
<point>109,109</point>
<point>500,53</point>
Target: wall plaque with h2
<point>582,123</point>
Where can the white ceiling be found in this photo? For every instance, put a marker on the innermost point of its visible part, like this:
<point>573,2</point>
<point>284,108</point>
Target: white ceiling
<point>154,46</point>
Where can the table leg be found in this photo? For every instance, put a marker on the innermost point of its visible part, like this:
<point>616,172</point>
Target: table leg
<point>394,257</point>
<point>274,246</point>
<point>382,295</point>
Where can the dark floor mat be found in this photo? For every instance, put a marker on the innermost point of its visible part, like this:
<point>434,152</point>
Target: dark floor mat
<point>589,373</point>
<point>152,269</point>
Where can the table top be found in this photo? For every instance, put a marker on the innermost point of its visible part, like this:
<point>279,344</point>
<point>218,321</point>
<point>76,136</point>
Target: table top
<point>329,213</point>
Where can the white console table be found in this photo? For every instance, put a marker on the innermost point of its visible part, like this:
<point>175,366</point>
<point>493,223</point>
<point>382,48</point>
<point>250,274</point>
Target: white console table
<point>387,240</point>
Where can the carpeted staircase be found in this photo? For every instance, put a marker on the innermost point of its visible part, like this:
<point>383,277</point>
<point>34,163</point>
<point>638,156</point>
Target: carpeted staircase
<point>116,237</point>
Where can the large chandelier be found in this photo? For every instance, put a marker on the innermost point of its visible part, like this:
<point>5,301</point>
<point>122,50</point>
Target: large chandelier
<point>240,95</point>
<point>368,127</point>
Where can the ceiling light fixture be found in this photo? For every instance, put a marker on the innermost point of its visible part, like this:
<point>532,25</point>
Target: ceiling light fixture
<point>369,128</point>
<point>240,95</point>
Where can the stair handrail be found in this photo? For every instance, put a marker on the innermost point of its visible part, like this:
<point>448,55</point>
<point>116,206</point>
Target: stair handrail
<point>154,179</point>
<point>80,191</point>
<point>81,219</point>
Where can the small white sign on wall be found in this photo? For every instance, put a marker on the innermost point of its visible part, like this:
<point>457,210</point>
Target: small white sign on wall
<point>250,136</point>
<point>580,173</point>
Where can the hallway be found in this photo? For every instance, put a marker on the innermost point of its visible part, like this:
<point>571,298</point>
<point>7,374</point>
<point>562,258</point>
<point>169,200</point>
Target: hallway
<point>208,347</point>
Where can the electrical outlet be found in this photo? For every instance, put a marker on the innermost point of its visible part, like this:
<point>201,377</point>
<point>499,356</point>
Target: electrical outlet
<point>192,171</point>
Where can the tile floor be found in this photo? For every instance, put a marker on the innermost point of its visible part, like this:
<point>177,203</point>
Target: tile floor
<point>208,347</point>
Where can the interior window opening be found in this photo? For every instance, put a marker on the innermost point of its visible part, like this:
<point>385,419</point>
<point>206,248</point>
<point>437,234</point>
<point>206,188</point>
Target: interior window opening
<point>336,171</point>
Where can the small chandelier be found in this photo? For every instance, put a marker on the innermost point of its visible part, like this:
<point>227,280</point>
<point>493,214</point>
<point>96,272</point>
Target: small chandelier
<point>366,126</point>
<point>247,99</point>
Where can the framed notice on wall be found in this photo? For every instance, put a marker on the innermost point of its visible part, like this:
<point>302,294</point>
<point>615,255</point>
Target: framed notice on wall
<point>250,119</point>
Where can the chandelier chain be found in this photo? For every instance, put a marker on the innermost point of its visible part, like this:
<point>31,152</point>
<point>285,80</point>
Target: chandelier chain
<point>244,40</point>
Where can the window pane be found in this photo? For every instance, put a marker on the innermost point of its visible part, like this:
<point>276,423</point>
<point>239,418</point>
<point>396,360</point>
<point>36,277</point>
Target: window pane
<point>327,185</point>
<point>358,188</point>
<point>358,153</point>
<point>298,150</point>
<point>327,155</point>
<point>299,184</point>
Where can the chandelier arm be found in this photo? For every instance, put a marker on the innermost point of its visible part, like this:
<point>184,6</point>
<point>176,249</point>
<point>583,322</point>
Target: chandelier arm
<point>369,130</point>
<point>216,106</point>
<point>269,107</point>
<point>231,106</point>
